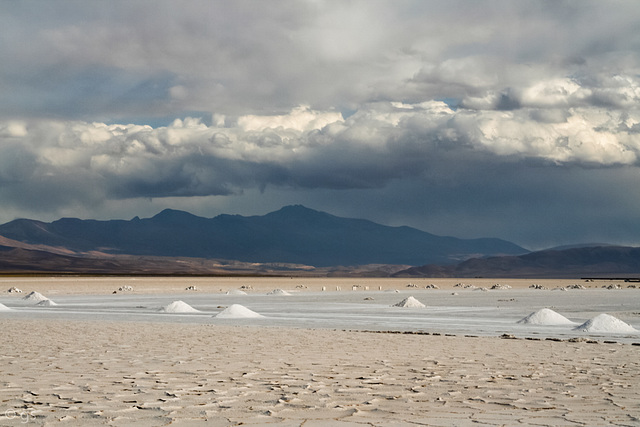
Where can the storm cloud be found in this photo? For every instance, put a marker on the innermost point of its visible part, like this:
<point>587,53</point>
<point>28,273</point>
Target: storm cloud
<point>495,118</point>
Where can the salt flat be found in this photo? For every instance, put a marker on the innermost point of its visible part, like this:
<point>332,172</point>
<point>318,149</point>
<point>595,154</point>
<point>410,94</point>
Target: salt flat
<point>104,358</point>
<point>457,307</point>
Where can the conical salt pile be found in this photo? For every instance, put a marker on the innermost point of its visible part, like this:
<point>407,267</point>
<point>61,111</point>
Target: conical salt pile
<point>46,303</point>
<point>237,311</point>
<point>278,292</point>
<point>236,292</point>
<point>4,307</point>
<point>179,307</point>
<point>606,323</point>
<point>35,297</point>
<point>545,316</point>
<point>410,302</point>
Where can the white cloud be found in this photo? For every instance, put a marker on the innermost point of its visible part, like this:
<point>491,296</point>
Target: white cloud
<point>13,129</point>
<point>619,91</point>
<point>585,137</point>
<point>552,93</point>
<point>308,148</point>
<point>301,119</point>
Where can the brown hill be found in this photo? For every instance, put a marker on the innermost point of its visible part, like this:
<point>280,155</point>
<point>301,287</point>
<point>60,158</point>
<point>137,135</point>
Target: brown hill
<point>600,261</point>
<point>20,261</point>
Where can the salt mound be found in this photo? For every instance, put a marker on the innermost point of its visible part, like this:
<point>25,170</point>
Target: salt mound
<point>278,292</point>
<point>47,303</point>
<point>35,297</point>
<point>410,302</point>
<point>236,292</point>
<point>237,311</point>
<point>179,307</point>
<point>546,316</point>
<point>4,307</point>
<point>605,323</point>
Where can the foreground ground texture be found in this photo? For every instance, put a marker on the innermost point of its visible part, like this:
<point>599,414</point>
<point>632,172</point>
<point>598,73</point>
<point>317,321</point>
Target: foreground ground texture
<point>72,372</point>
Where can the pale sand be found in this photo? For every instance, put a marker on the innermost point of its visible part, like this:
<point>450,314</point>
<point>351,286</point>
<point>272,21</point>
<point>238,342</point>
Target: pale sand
<point>64,372</point>
<point>51,286</point>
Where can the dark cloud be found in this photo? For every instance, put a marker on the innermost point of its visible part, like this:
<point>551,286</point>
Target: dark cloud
<point>540,147</point>
<point>97,93</point>
<point>510,172</point>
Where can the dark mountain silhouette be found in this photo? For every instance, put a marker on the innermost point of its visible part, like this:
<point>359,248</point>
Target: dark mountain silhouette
<point>598,261</point>
<point>293,234</point>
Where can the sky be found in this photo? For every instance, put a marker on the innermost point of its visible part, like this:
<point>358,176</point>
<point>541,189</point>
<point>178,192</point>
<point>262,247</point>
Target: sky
<point>510,119</point>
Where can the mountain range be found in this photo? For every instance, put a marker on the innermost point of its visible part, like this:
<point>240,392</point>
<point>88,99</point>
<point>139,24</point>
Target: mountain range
<point>294,240</point>
<point>293,234</point>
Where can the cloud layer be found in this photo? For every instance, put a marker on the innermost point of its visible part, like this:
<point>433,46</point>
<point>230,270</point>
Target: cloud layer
<point>472,119</point>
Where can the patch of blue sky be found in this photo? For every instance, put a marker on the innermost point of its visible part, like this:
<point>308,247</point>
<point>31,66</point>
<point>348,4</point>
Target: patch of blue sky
<point>453,103</point>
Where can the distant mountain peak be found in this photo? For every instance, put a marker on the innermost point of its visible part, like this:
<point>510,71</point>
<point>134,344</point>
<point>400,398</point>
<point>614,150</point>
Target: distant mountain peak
<point>300,214</point>
<point>296,209</point>
<point>169,211</point>
<point>173,215</point>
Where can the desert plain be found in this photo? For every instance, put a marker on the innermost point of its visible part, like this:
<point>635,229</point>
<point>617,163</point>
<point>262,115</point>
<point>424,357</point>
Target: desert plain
<point>322,352</point>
